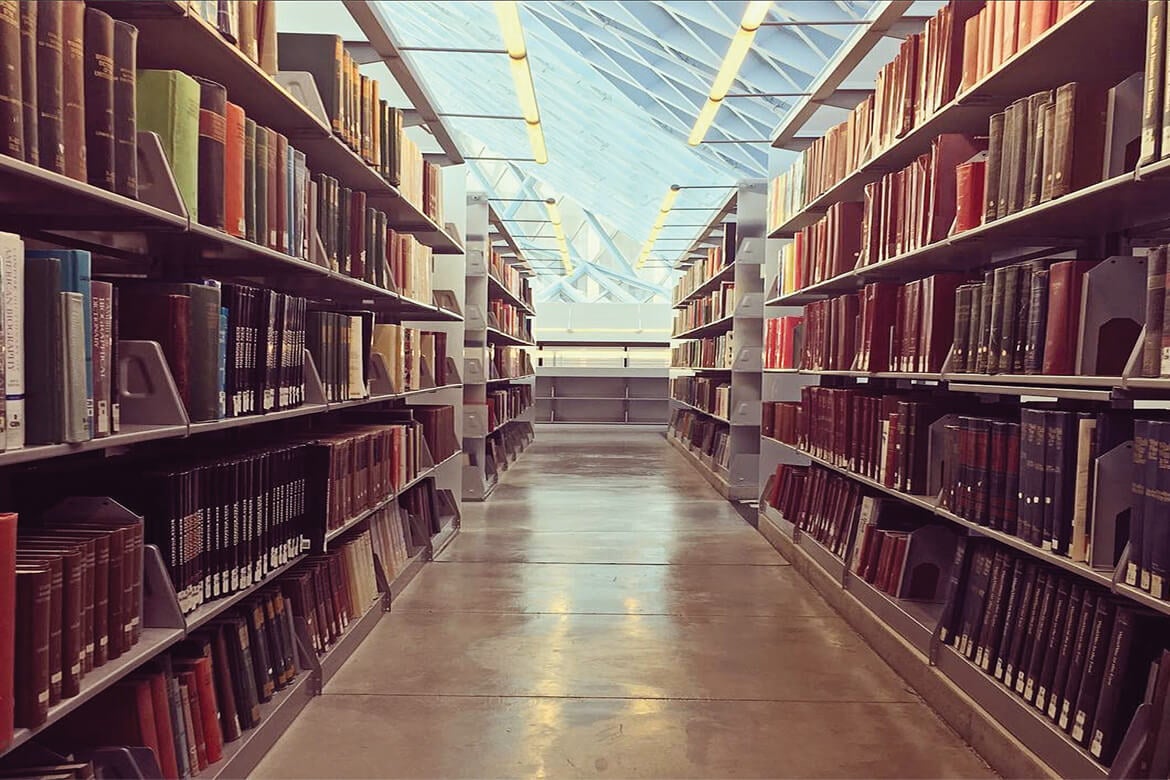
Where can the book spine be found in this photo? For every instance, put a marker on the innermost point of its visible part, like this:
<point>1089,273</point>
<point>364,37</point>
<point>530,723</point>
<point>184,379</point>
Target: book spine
<point>28,86</point>
<point>1155,309</point>
<point>125,109</point>
<point>11,82</point>
<point>50,100</point>
<point>212,141</point>
<point>73,82</point>
<point>99,99</point>
<point>1155,71</point>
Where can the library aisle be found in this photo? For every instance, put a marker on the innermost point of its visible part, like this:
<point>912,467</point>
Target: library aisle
<point>607,614</point>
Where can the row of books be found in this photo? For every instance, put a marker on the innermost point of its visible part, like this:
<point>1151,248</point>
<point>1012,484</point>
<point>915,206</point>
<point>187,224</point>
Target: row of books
<point>709,352</point>
<point>782,421</point>
<point>249,25</point>
<point>506,274</point>
<point>957,48</point>
<point>510,361</point>
<point>511,319</point>
<point>704,268</point>
<point>1031,473</point>
<point>438,424</point>
<point>506,404</point>
<point>407,350</point>
<point>1022,318</point>
<point>1072,651</point>
<point>67,95</point>
<point>73,589</point>
<point>702,434</point>
<point>705,393</point>
<point>780,341</point>
<point>713,306</point>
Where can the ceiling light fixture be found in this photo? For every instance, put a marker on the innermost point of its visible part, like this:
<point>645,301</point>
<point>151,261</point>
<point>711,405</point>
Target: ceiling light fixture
<point>512,31</point>
<point>659,222</point>
<point>554,216</point>
<point>753,17</point>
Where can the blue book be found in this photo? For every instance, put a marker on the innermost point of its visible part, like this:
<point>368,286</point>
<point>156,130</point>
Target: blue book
<point>223,338</point>
<point>76,275</point>
<point>290,220</point>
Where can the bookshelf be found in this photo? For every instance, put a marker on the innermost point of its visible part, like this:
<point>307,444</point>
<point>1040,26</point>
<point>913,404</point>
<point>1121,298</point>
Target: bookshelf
<point>497,284</point>
<point>727,454</point>
<point>155,237</point>
<point>1111,220</point>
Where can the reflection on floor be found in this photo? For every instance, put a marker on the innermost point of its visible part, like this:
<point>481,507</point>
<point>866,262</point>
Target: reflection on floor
<point>606,614</point>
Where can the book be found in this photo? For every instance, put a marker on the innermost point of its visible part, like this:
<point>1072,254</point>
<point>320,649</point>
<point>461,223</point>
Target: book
<point>125,69</point>
<point>12,291</point>
<point>8,522</point>
<point>1152,103</point>
<point>212,141</point>
<point>100,130</point>
<point>73,89</point>
<point>168,104</point>
<point>11,82</point>
<point>50,86</point>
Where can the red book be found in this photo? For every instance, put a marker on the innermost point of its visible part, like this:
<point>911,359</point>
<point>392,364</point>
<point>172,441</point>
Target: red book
<point>165,749</point>
<point>281,199</point>
<point>1065,282</point>
<point>948,152</point>
<point>233,179</point>
<point>938,319</point>
<point>969,184</point>
<point>123,715</point>
<point>8,626</point>
<point>1011,27</point>
<point>1043,15</point>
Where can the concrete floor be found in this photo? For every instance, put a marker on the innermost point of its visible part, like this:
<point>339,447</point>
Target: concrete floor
<point>607,614</point>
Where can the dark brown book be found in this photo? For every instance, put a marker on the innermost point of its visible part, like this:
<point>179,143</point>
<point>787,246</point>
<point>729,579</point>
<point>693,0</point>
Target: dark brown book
<point>31,659</point>
<point>1096,657</point>
<point>56,568</point>
<point>1037,642</point>
<point>274,190</point>
<point>1017,630</point>
<point>73,115</point>
<point>1133,646</point>
<point>282,194</point>
<point>1002,570</point>
<point>202,344</point>
<point>125,109</point>
<point>995,165</point>
<point>264,136</point>
<point>1155,311</point>
<point>250,180</point>
<point>1079,140</point>
<point>44,402</point>
<point>50,97</point>
<point>1154,82</point>
<point>1081,600</point>
<point>1066,601</point>
<point>212,137</point>
<point>11,82</point>
<point>1016,590</point>
<point>7,627</point>
<point>1037,327</point>
<point>28,80</point>
<point>321,55</point>
<point>224,688</point>
<point>99,99</point>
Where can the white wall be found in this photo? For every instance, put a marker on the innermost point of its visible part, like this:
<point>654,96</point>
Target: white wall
<point>560,321</point>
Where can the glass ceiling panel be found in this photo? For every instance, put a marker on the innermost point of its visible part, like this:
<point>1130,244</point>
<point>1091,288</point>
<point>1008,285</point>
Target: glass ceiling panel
<point>619,86</point>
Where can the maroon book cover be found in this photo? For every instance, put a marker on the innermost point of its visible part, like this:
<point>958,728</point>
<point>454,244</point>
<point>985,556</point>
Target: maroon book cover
<point>1065,283</point>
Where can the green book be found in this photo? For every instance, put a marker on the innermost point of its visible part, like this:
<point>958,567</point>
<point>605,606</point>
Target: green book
<point>168,104</point>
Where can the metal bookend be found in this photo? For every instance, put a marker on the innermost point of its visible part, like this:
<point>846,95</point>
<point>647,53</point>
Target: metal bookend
<point>160,602</point>
<point>1112,498</point>
<point>493,321</point>
<point>475,318</point>
<point>748,359</point>
<point>383,582</point>
<point>941,454</point>
<point>453,377</point>
<point>426,375</point>
<point>381,380</point>
<point>473,371</point>
<point>156,181</point>
<point>426,459</point>
<point>1113,312</point>
<point>476,263</point>
<point>308,656</point>
<point>1128,760</point>
<point>147,391</point>
<point>750,251</point>
<point>301,85</point>
<point>314,387</point>
<point>475,421</point>
<point>447,301</point>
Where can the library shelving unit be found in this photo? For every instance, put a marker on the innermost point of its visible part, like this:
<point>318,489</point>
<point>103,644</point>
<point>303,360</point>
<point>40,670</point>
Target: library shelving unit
<point>491,442</point>
<point>153,237</point>
<point>1112,221</point>
<point>728,454</point>
<point>601,382</point>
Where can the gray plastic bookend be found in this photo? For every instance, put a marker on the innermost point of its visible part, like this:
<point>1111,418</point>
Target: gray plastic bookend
<point>426,375</point>
<point>160,602</point>
<point>447,301</point>
<point>1112,496</point>
<point>1113,311</point>
<point>301,85</point>
<point>453,377</point>
<point>381,380</point>
<point>314,387</point>
<point>147,394</point>
<point>156,181</point>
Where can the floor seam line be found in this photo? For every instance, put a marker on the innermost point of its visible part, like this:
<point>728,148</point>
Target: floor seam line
<point>586,697</point>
